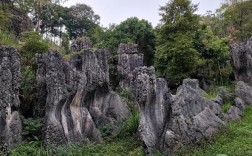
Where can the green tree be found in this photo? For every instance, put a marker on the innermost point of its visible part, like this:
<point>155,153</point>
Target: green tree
<point>214,52</point>
<point>176,57</point>
<point>235,19</point>
<point>138,32</point>
<point>80,20</point>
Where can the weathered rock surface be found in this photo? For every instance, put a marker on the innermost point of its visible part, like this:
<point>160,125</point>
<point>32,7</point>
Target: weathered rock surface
<point>167,121</point>
<point>242,61</point>
<point>152,96</point>
<point>78,97</point>
<point>10,123</point>
<point>80,44</point>
<point>244,92</point>
<point>193,116</point>
<point>129,58</point>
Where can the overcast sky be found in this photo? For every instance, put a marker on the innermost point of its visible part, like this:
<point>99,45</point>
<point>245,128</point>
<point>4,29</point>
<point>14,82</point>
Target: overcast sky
<point>116,11</point>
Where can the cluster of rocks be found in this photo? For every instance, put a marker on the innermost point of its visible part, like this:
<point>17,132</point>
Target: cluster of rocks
<point>10,123</point>
<point>78,97</point>
<point>75,98</point>
<point>242,65</point>
<point>169,121</point>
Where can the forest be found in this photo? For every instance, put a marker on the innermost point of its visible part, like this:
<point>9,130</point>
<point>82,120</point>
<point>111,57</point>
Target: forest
<point>184,45</point>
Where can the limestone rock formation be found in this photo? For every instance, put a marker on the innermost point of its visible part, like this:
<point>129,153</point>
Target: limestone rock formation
<point>78,97</point>
<point>10,123</point>
<point>167,121</point>
<point>193,116</point>
<point>80,44</point>
<point>244,92</point>
<point>242,61</point>
<point>152,96</point>
<point>129,58</point>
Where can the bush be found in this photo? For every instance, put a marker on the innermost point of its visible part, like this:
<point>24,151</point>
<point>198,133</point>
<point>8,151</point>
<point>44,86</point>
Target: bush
<point>130,126</point>
<point>32,44</point>
<point>7,39</point>
<point>32,128</point>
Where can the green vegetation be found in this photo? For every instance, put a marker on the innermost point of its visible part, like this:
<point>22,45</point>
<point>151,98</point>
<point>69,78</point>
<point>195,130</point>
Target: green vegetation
<point>225,92</point>
<point>32,128</point>
<point>234,141</point>
<point>7,39</point>
<point>130,125</point>
<point>129,146</point>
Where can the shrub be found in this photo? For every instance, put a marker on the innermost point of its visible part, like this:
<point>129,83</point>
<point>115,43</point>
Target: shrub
<point>32,44</point>
<point>32,128</point>
<point>130,126</point>
<point>7,39</point>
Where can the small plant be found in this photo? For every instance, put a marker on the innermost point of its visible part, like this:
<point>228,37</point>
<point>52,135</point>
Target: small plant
<point>128,97</point>
<point>130,126</point>
<point>7,39</point>
<point>106,130</point>
<point>226,106</point>
<point>32,128</point>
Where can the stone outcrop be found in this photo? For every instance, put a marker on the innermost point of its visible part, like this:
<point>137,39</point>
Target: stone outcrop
<point>193,116</point>
<point>129,58</point>
<point>168,121</point>
<point>78,98</point>
<point>10,123</point>
<point>242,61</point>
<point>80,44</point>
<point>151,93</point>
<point>244,92</point>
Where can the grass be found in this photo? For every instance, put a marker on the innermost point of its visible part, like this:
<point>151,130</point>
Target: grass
<point>236,140</point>
<point>127,146</point>
<point>226,106</point>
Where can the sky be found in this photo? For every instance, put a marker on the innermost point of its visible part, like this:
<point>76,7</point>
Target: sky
<point>116,11</point>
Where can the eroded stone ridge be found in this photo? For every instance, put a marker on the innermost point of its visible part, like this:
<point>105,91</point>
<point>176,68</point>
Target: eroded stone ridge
<point>81,44</point>
<point>10,123</point>
<point>242,61</point>
<point>193,117</point>
<point>154,101</point>
<point>129,58</point>
<point>78,97</point>
<point>168,121</point>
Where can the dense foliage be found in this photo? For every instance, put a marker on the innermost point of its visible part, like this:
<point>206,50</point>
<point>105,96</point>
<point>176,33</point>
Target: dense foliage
<point>187,46</point>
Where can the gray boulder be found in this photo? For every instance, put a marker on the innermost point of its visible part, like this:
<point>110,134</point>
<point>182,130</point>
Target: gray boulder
<point>10,123</point>
<point>78,97</point>
<point>129,58</point>
<point>235,112</point>
<point>242,61</point>
<point>193,117</point>
<point>168,122</point>
<point>244,92</point>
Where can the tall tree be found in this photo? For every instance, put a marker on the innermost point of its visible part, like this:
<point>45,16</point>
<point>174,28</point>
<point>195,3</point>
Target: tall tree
<point>235,19</point>
<point>176,57</point>
<point>80,20</point>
